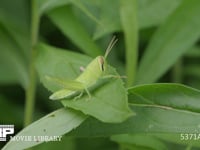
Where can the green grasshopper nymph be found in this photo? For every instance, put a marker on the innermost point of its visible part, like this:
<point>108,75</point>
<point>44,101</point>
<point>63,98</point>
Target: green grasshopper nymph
<point>88,78</point>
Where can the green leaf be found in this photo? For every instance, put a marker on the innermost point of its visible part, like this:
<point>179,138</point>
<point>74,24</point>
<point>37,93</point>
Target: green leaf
<point>83,6</point>
<point>45,6</point>
<point>14,42</point>
<point>146,120</point>
<point>170,95</point>
<point>16,12</point>
<point>110,18</point>
<point>155,141</point>
<point>13,64</point>
<point>176,138</point>
<point>128,16</point>
<point>132,147</point>
<point>87,12</point>
<point>56,123</point>
<point>138,139</point>
<point>68,142</point>
<point>48,5</point>
<point>16,21</point>
<point>170,42</point>
<point>71,27</point>
<point>159,108</point>
<point>111,96</point>
<point>106,24</point>
<point>153,13</point>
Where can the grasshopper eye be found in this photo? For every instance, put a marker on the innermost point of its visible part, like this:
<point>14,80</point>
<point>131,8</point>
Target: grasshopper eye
<point>102,67</point>
<point>101,63</point>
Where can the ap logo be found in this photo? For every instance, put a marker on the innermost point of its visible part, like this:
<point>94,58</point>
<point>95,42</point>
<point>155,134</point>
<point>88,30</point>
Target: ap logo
<point>5,130</point>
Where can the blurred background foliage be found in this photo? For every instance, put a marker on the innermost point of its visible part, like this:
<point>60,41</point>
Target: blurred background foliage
<point>158,42</point>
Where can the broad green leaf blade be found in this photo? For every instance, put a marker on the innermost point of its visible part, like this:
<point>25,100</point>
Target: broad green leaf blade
<point>128,17</point>
<point>159,108</point>
<point>132,147</point>
<point>178,138</point>
<point>151,141</point>
<point>153,13</point>
<point>19,32</point>
<point>48,5</point>
<point>17,12</point>
<point>83,6</point>
<point>71,27</point>
<point>146,120</point>
<point>150,13</point>
<point>109,18</point>
<point>45,6</point>
<point>14,43</point>
<point>15,19</point>
<point>66,142</point>
<point>171,95</point>
<point>111,96</point>
<point>170,42</point>
<point>56,123</point>
<point>156,140</point>
<point>12,63</point>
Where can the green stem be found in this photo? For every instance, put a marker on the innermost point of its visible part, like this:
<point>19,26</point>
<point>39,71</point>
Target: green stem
<point>31,88</point>
<point>128,16</point>
<point>177,72</point>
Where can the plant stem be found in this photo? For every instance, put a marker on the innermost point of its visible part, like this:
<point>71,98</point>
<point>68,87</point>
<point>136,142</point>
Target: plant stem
<point>31,88</point>
<point>177,72</point>
<point>128,16</point>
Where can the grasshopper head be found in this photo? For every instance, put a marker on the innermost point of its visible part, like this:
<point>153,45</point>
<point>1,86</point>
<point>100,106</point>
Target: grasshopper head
<point>99,65</point>
<point>102,59</point>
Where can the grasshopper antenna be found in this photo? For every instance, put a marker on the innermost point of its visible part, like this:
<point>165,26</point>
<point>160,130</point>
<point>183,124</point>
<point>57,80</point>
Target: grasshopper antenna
<point>110,46</point>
